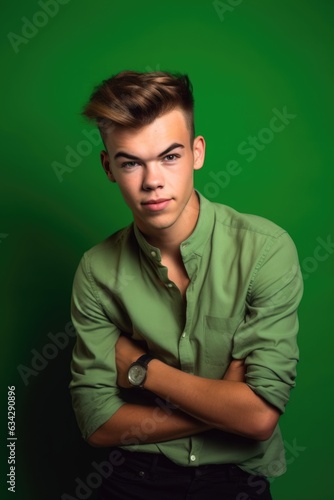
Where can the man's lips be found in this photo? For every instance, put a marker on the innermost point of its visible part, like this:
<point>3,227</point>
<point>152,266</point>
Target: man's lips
<point>156,205</point>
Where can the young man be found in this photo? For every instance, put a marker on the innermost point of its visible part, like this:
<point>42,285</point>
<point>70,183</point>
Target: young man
<point>186,320</point>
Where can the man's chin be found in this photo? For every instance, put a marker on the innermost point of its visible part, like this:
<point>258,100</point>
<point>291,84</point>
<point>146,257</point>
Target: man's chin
<point>156,222</point>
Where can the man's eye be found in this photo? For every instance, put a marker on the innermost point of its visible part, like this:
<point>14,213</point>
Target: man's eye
<point>171,157</point>
<point>129,164</point>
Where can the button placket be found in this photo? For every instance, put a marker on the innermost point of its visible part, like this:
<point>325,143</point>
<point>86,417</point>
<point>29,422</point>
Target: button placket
<point>185,350</point>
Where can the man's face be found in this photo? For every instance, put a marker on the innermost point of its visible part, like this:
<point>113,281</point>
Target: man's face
<point>153,167</point>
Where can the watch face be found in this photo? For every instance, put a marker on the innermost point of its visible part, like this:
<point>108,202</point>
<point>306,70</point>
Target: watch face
<point>136,374</point>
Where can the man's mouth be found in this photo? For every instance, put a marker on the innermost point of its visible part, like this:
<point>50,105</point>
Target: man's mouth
<point>157,204</point>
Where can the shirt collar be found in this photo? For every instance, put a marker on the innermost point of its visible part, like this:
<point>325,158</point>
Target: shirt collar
<point>196,242</point>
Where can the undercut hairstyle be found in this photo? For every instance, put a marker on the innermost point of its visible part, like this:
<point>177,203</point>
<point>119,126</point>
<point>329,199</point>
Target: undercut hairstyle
<point>132,100</point>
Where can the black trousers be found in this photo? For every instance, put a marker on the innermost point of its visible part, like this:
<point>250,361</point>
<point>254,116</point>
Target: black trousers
<point>150,476</point>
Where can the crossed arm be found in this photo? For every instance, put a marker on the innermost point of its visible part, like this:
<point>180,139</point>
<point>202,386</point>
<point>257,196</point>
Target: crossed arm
<point>228,404</point>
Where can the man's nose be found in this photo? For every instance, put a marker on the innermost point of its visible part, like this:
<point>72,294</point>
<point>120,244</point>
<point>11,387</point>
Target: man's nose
<point>153,177</point>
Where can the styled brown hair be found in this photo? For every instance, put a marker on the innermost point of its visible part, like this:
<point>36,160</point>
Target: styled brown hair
<point>131,100</point>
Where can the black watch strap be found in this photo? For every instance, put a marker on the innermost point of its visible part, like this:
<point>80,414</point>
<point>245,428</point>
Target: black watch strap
<point>144,360</point>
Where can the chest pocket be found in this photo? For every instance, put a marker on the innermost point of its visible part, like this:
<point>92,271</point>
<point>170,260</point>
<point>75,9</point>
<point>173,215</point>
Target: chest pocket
<point>219,333</point>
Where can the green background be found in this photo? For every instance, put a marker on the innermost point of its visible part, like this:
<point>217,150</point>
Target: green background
<point>244,61</point>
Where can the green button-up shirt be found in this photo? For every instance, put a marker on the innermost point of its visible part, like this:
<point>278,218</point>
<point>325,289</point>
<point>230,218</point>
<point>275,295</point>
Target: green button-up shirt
<point>245,286</point>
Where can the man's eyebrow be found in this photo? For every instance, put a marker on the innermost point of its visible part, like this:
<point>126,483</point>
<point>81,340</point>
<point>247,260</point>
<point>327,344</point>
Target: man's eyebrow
<point>123,154</point>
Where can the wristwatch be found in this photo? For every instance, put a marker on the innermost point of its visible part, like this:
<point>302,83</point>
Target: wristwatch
<point>138,370</point>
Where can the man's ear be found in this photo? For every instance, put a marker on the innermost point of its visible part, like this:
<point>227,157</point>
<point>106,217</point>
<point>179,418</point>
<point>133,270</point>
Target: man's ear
<point>199,152</point>
<point>104,157</point>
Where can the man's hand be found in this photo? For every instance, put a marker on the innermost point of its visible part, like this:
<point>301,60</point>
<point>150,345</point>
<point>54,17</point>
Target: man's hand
<point>127,352</point>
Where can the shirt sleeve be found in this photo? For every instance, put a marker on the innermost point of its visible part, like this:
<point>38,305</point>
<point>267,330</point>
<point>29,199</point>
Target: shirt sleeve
<point>267,337</point>
<point>95,395</point>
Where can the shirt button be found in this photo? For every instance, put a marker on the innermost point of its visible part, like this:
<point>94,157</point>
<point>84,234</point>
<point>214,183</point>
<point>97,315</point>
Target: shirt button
<point>153,253</point>
<point>170,285</point>
<point>184,334</point>
<point>193,458</point>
